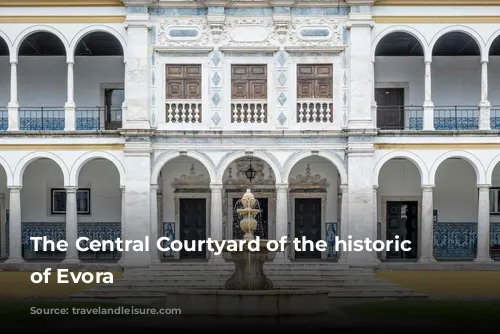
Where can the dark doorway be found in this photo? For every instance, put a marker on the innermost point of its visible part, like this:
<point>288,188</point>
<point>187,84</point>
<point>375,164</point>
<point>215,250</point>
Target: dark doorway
<point>262,220</point>
<point>308,225</point>
<point>193,225</point>
<point>390,108</point>
<point>402,220</point>
<point>113,99</point>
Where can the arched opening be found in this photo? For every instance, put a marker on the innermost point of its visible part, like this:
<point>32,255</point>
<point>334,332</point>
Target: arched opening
<point>314,205</point>
<point>99,89</point>
<point>456,82</point>
<point>455,210</point>
<point>183,198</point>
<point>399,207</point>
<point>99,206</point>
<point>399,65</point>
<point>493,82</point>
<point>258,176</point>
<point>43,208</point>
<point>42,82</point>
<point>4,84</point>
<point>494,210</point>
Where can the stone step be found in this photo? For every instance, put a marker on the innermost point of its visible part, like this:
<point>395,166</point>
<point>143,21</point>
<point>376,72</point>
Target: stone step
<point>280,275</point>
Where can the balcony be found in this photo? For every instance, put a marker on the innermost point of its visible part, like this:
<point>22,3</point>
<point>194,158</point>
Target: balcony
<point>314,111</point>
<point>249,111</point>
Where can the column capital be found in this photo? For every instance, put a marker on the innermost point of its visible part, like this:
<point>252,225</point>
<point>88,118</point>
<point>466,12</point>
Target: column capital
<point>484,186</point>
<point>13,62</point>
<point>375,186</point>
<point>71,189</point>
<point>281,186</point>
<point>344,188</point>
<point>216,186</point>
<point>427,187</point>
<point>154,187</point>
<point>14,188</point>
<point>122,187</point>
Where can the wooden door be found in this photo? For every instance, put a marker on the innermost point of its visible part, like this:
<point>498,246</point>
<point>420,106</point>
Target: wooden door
<point>193,225</point>
<point>183,82</point>
<point>113,99</point>
<point>390,108</point>
<point>308,224</point>
<point>262,220</point>
<point>402,221</point>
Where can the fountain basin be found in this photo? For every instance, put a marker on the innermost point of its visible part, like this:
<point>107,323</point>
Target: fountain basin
<point>248,302</point>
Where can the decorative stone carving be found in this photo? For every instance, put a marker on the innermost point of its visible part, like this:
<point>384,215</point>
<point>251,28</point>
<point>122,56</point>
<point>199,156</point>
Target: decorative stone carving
<point>249,33</point>
<point>312,32</point>
<point>281,29</point>
<point>240,178</point>
<point>166,38</point>
<point>190,179</point>
<point>249,271</point>
<point>217,28</point>
<point>309,179</point>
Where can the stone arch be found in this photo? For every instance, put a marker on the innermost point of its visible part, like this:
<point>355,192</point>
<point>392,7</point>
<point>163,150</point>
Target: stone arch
<point>333,158</point>
<point>457,28</point>
<point>8,42</point>
<point>164,158</point>
<point>34,29</point>
<point>91,29</point>
<point>83,159</point>
<point>8,171</point>
<point>490,42</point>
<point>29,158</point>
<point>410,156</point>
<point>491,167</point>
<point>469,157</point>
<point>269,159</point>
<point>400,28</point>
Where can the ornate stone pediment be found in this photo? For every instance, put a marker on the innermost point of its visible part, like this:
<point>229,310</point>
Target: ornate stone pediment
<point>248,32</point>
<point>185,32</point>
<point>308,179</point>
<point>191,179</point>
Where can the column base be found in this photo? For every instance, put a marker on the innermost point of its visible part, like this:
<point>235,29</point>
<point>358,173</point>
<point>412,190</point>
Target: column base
<point>216,259</point>
<point>71,261</point>
<point>130,264</point>
<point>155,261</point>
<point>15,260</point>
<point>426,260</point>
<point>483,260</point>
<point>281,258</point>
<point>361,263</point>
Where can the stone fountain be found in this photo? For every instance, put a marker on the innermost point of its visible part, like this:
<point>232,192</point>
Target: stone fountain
<point>249,292</point>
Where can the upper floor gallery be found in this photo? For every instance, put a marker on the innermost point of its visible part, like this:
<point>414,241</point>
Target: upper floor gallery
<point>239,66</point>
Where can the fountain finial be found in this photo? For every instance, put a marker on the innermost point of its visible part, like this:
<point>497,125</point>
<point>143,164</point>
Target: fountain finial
<point>248,224</point>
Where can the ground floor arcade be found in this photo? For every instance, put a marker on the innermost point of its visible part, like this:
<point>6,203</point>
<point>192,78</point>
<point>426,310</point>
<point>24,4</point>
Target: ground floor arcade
<point>444,201</point>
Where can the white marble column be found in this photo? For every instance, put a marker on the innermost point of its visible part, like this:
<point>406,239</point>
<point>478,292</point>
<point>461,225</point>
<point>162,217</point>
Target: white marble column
<point>69,107</point>
<point>153,237</point>
<point>122,233</point>
<point>343,231</point>
<point>484,104</point>
<point>216,218</point>
<point>136,224</point>
<point>15,232</point>
<point>282,220</point>
<point>483,224</point>
<point>137,70</point>
<point>428,122</point>
<point>71,226</point>
<point>427,226</point>
<point>13,106</point>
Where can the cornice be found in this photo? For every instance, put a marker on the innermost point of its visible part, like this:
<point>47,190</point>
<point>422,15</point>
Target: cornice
<point>437,3</point>
<point>61,3</point>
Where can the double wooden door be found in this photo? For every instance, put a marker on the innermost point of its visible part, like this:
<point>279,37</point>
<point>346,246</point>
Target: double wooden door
<point>193,225</point>
<point>308,225</point>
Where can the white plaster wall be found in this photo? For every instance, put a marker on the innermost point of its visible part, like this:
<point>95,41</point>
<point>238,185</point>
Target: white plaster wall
<point>42,81</point>
<point>41,175</point>
<point>326,170</point>
<point>455,192</point>
<point>455,80</point>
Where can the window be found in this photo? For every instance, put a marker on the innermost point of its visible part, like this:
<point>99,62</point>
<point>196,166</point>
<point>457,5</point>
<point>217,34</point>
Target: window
<point>58,201</point>
<point>249,82</point>
<point>495,201</point>
<point>183,82</point>
<point>314,93</point>
<point>314,81</point>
